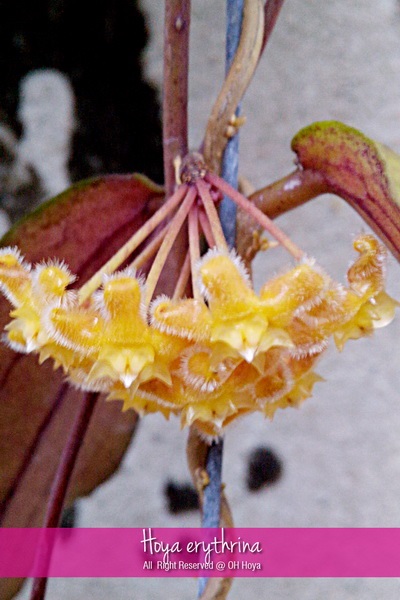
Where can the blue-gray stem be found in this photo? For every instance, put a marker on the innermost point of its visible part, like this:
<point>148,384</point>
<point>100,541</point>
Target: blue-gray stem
<point>230,164</point>
<point>212,494</point>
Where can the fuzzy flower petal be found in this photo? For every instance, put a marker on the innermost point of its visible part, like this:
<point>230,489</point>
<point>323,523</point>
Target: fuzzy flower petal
<point>209,361</point>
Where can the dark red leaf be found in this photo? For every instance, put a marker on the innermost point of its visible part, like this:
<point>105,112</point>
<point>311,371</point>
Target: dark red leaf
<point>83,226</point>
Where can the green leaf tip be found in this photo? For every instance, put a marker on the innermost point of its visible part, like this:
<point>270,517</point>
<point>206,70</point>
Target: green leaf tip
<point>363,172</point>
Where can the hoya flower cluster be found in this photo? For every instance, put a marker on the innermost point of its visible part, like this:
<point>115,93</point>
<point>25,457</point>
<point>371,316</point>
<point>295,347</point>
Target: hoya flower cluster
<point>209,359</point>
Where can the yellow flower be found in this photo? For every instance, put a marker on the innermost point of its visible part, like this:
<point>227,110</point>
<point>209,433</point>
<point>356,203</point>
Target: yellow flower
<point>296,290</point>
<point>113,336</point>
<point>30,291</point>
<point>368,304</point>
<point>239,319</point>
<point>188,319</point>
<point>210,359</point>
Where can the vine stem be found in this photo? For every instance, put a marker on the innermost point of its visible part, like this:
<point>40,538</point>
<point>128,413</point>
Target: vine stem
<point>230,162</point>
<point>247,53</point>
<point>228,212</point>
<point>175,92</point>
<point>60,486</point>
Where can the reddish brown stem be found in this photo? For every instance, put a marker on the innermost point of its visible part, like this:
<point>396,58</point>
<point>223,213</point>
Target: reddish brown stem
<point>288,193</point>
<point>175,93</point>
<point>61,481</point>
<point>276,199</point>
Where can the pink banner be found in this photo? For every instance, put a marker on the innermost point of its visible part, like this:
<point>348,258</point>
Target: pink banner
<point>192,552</point>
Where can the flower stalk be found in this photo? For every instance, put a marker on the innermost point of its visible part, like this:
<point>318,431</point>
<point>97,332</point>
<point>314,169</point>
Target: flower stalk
<point>254,212</point>
<point>134,242</point>
<point>212,216</point>
<point>150,250</point>
<point>194,249</point>
<point>168,241</point>
<point>183,278</point>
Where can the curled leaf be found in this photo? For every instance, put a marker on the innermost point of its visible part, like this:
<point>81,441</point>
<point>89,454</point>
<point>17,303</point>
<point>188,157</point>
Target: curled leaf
<point>83,226</point>
<point>363,172</point>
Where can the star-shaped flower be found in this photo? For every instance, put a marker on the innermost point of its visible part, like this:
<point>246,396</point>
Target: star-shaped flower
<point>211,358</point>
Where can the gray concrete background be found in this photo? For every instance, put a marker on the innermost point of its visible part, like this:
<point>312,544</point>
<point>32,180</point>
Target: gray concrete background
<point>341,450</point>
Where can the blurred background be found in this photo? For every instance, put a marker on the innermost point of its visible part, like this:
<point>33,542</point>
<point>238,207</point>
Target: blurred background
<point>336,461</point>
